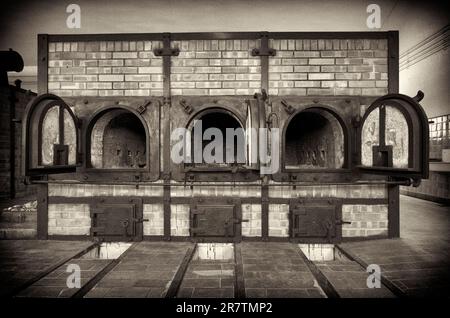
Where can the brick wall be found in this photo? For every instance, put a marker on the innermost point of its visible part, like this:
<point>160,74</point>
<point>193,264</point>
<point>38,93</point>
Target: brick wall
<point>367,220</point>
<point>5,177</point>
<point>69,219</point>
<point>330,191</point>
<point>105,68</point>
<point>215,67</point>
<point>179,219</point>
<point>279,220</point>
<point>328,67</point>
<point>235,190</point>
<point>219,67</point>
<point>88,190</point>
<point>252,213</point>
<point>22,98</point>
<point>155,215</point>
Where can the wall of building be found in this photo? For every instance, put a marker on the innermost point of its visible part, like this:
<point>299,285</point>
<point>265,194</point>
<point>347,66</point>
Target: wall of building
<point>219,67</point>
<point>7,111</point>
<point>100,68</point>
<point>5,176</point>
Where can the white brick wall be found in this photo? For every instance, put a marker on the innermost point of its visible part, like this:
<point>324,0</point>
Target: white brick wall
<point>330,191</point>
<point>324,66</point>
<point>88,190</point>
<point>179,219</point>
<point>155,215</point>
<point>105,68</point>
<point>69,219</point>
<point>367,220</point>
<point>279,220</point>
<point>215,67</point>
<point>179,190</point>
<point>252,213</point>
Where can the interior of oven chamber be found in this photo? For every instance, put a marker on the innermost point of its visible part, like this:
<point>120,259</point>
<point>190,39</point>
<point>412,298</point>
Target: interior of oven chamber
<point>314,139</point>
<point>212,122</point>
<point>118,140</point>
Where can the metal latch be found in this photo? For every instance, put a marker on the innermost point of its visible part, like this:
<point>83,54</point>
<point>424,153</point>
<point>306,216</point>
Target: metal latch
<point>125,223</point>
<point>236,221</point>
<point>140,220</point>
<point>341,222</point>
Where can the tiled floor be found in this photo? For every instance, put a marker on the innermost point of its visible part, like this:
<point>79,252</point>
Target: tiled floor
<point>350,280</point>
<point>276,270</point>
<point>54,285</point>
<point>23,260</point>
<point>208,278</point>
<point>145,271</point>
<point>417,264</point>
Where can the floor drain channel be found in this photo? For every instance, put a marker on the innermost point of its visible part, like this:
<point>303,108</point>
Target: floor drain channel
<point>178,278</point>
<point>214,251</point>
<point>319,252</point>
<point>118,250</point>
<point>111,250</point>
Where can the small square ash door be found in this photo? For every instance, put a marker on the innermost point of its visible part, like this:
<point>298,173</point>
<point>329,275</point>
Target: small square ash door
<point>213,220</point>
<point>315,220</point>
<point>114,221</point>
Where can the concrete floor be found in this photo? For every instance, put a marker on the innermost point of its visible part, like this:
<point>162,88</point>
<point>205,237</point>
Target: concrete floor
<point>415,265</point>
<point>424,221</point>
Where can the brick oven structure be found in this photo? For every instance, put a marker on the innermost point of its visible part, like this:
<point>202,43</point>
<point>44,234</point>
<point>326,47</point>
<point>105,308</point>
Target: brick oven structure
<point>97,138</point>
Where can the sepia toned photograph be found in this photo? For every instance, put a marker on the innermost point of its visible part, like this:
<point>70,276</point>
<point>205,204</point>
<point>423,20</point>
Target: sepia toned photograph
<point>224,154</point>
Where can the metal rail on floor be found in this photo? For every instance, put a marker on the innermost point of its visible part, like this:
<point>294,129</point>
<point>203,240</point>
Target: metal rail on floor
<point>94,280</point>
<point>50,269</point>
<point>178,278</point>
<point>239,282</point>
<point>322,280</point>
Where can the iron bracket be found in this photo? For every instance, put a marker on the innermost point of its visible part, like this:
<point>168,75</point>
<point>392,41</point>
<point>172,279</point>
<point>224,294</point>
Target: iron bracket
<point>288,108</point>
<point>142,108</point>
<point>264,50</point>
<point>187,108</point>
<point>166,52</point>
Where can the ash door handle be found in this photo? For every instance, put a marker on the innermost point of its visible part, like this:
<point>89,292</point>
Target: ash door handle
<point>237,221</point>
<point>140,220</point>
<point>341,222</point>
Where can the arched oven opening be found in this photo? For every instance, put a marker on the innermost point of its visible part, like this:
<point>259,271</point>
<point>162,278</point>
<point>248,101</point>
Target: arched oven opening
<point>314,139</point>
<point>222,138</point>
<point>118,141</point>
